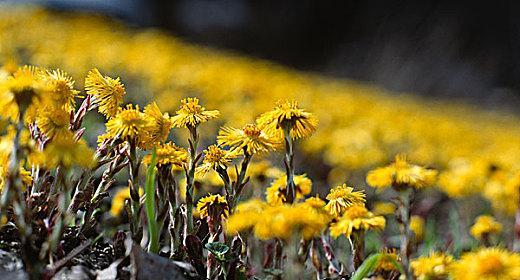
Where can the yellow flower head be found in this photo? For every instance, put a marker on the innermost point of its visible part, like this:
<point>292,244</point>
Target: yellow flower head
<point>53,121</point>
<point>484,226</point>
<point>432,267</point>
<point>118,202</point>
<point>315,202</point>
<point>213,205</point>
<point>191,114</point>
<point>128,124</point>
<point>169,154</point>
<point>262,170</point>
<point>215,158</point>
<point>280,221</point>
<point>384,208</point>
<point>20,90</point>
<point>387,260</point>
<point>342,197</point>
<point>287,115</point>
<point>61,89</point>
<point>245,216</point>
<point>107,92</point>
<point>356,218</point>
<point>502,191</point>
<point>401,174</point>
<point>487,264</point>
<point>25,175</point>
<point>275,194</point>
<point>159,128</point>
<point>250,137</point>
<point>417,227</point>
<point>66,152</point>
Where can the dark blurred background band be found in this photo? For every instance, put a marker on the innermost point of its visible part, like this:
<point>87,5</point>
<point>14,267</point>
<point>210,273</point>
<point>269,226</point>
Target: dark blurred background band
<point>462,49</point>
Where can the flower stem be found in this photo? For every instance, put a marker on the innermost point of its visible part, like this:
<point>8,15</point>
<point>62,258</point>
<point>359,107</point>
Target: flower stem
<point>190,177</point>
<point>134,189</point>
<point>358,249</point>
<point>406,233</point>
<point>289,165</point>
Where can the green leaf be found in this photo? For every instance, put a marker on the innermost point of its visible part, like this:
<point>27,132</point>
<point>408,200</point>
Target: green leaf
<point>366,267</point>
<point>153,245</point>
<point>397,265</point>
<point>217,248</point>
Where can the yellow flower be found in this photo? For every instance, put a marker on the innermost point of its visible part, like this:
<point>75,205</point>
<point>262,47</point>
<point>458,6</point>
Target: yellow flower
<point>502,191</point>
<point>20,90</point>
<point>401,174</point>
<point>245,216</point>
<point>215,158</point>
<point>61,89</point>
<point>280,221</point>
<point>417,227</point>
<point>275,194</point>
<point>262,170</point>
<point>484,226</point>
<point>432,267</point>
<point>342,197</point>
<point>387,260</point>
<point>128,124</point>
<point>213,205</point>
<point>159,128</point>
<point>192,114</point>
<point>356,218</point>
<point>169,154</point>
<point>487,264</point>
<point>384,208</point>
<point>118,202</point>
<point>66,152</point>
<point>315,202</point>
<point>53,121</point>
<point>250,138</point>
<point>107,92</point>
<point>25,175</point>
<point>289,116</point>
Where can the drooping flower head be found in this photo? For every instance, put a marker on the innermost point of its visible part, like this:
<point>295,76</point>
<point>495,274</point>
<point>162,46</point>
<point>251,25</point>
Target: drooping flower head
<point>276,193</point>
<point>213,205</point>
<point>287,115</point>
<point>356,218</point>
<point>484,226</point>
<point>61,89</point>
<point>215,158</point>
<point>159,126</point>
<point>191,114</point>
<point>250,137</point>
<point>53,121</point>
<point>401,174</point>
<point>487,264</point>
<point>107,92</point>
<point>128,124</point>
<point>66,152</point>
<point>169,154</point>
<point>342,197</point>
<point>20,91</point>
<point>432,267</point>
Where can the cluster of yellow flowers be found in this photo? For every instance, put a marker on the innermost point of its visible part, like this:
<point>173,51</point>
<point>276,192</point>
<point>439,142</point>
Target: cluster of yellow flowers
<point>371,125</point>
<point>360,127</point>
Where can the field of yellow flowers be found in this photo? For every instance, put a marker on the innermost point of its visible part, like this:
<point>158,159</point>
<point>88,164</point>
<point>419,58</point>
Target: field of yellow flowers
<point>128,154</point>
